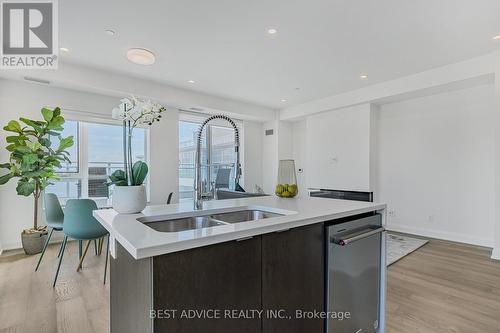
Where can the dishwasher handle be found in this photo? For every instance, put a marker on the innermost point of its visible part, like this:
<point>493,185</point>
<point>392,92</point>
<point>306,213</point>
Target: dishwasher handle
<point>343,241</point>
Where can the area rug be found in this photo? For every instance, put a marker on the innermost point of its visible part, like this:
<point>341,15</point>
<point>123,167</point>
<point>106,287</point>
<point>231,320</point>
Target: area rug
<point>399,246</point>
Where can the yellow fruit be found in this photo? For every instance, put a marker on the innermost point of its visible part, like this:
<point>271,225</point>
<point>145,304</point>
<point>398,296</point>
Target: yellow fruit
<point>286,194</point>
<point>292,189</point>
<point>279,189</point>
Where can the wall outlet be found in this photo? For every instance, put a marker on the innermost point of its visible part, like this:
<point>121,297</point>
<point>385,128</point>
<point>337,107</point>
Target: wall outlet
<point>391,212</point>
<point>430,218</point>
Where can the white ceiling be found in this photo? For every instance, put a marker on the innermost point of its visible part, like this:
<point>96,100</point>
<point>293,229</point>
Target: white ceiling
<point>321,48</point>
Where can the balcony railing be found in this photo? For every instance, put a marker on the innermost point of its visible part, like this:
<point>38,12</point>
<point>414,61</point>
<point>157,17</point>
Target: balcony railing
<point>187,172</point>
<point>92,184</point>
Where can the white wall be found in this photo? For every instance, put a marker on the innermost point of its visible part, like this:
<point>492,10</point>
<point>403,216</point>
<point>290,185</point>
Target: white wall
<point>269,156</point>
<point>299,148</point>
<point>275,147</point>
<point>252,155</point>
<point>436,165</point>
<point>164,158</point>
<point>496,250</point>
<point>23,99</point>
<point>338,149</point>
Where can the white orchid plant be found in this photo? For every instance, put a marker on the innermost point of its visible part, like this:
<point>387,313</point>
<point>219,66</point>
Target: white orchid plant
<point>133,112</point>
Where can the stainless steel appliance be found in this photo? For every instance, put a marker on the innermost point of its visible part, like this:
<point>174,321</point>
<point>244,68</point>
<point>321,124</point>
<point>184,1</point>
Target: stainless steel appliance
<point>354,271</point>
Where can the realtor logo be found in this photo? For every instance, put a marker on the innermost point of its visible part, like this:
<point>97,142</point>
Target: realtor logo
<point>29,34</point>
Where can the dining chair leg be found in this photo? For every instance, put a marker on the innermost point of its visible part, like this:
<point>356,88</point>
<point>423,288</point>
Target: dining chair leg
<point>44,248</point>
<point>95,246</point>
<point>106,263</point>
<point>83,256</point>
<point>60,249</point>
<point>63,246</point>
<point>80,248</point>
<point>101,242</point>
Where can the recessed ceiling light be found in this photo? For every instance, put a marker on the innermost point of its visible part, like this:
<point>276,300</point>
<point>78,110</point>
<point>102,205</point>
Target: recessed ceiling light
<point>109,32</point>
<point>64,49</point>
<point>272,31</point>
<point>191,81</point>
<point>363,77</point>
<point>497,37</point>
<point>141,56</point>
<point>283,100</point>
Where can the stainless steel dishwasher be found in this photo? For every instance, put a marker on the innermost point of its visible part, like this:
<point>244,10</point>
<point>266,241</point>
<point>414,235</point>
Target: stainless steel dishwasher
<point>354,259</point>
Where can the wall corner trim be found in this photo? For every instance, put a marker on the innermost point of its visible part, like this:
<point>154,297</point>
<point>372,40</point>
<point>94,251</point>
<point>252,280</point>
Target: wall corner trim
<point>495,254</point>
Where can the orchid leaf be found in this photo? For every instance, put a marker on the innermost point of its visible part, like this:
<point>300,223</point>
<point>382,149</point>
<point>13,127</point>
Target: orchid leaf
<point>139,173</point>
<point>118,178</point>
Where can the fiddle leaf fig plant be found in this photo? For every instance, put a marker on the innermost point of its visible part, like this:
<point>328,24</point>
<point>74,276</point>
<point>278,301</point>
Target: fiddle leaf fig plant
<point>33,157</point>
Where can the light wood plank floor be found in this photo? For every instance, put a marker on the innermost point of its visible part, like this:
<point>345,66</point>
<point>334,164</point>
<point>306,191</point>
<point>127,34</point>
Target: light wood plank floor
<point>442,287</point>
<point>78,303</point>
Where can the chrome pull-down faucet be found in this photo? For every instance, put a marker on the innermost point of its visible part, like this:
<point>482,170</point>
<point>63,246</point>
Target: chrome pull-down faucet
<point>198,192</point>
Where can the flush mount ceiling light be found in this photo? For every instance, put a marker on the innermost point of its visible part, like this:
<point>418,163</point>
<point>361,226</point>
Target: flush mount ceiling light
<point>191,81</point>
<point>110,32</point>
<point>272,31</point>
<point>497,37</point>
<point>64,49</point>
<point>141,56</point>
<point>283,100</point>
<point>363,77</point>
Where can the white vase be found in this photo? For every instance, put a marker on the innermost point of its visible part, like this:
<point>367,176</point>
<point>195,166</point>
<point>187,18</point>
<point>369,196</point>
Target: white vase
<point>129,199</point>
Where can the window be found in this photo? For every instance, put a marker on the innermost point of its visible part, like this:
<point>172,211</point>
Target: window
<point>98,152</point>
<point>219,155</point>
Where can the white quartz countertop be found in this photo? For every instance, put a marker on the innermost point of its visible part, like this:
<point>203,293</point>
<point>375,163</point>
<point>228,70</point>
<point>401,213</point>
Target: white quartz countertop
<point>142,241</point>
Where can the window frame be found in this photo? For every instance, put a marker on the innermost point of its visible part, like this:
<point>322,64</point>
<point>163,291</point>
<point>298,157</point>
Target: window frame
<point>83,147</point>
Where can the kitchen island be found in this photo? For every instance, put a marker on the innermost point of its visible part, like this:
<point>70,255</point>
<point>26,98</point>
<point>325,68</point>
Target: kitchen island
<point>175,269</point>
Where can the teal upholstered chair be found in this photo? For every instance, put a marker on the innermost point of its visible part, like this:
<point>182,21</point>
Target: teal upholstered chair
<point>54,218</point>
<point>81,225</point>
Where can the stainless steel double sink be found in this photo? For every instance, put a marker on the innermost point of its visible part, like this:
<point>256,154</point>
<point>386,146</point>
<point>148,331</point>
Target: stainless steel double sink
<point>206,221</point>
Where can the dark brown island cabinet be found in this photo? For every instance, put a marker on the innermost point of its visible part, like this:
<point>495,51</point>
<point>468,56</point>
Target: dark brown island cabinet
<point>249,285</point>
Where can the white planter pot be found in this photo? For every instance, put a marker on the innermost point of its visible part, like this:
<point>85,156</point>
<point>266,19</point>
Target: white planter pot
<point>129,199</point>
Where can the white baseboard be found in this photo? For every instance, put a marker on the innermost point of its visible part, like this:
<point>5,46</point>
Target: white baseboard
<point>12,246</point>
<point>57,237</point>
<point>449,236</point>
<point>495,254</point>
